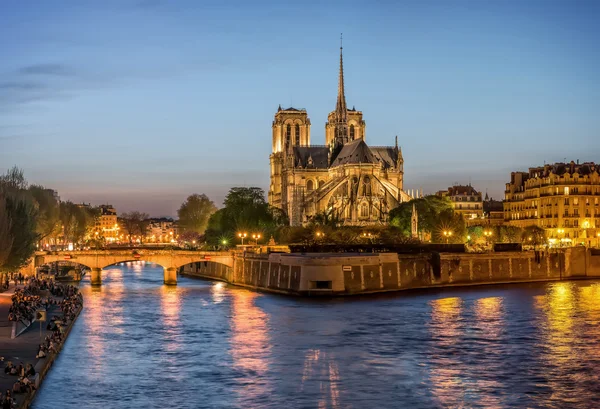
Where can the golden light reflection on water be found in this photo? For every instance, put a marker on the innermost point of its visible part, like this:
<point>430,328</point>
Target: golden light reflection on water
<point>320,366</point>
<point>564,350</point>
<point>170,306</point>
<point>104,315</point>
<point>490,318</point>
<point>218,292</point>
<point>250,345</point>
<point>490,323</point>
<point>445,328</point>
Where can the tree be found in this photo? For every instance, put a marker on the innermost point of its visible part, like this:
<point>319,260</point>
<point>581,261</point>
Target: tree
<point>130,222</point>
<point>245,210</point>
<point>195,212</point>
<point>143,223</point>
<point>47,208</point>
<point>18,224</point>
<point>534,236</point>
<point>433,211</point>
<point>13,180</point>
<point>76,221</point>
<point>6,238</point>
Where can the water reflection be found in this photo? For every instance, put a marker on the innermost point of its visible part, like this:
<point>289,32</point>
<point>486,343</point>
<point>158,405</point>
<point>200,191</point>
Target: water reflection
<point>139,344</point>
<point>445,328</point>
<point>170,318</point>
<point>320,367</point>
<point>218,292</point>
<point>249,345</point>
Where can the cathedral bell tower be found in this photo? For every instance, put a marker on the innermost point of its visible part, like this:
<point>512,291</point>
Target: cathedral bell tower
<point>291,128</point>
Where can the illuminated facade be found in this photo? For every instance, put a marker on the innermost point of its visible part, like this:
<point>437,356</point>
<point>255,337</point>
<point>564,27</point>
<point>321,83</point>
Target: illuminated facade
<point>466,201</point>
<point>106,224</point>
<point>344,179</point>
<point>563,198</point>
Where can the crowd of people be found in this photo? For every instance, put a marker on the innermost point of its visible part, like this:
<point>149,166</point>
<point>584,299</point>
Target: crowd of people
<point>25,303</point>
<point>27,300</point>
<point>7,400</point>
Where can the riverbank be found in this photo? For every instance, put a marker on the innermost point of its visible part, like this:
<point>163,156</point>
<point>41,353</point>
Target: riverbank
<point>341,274</point>
<point>24,348</point>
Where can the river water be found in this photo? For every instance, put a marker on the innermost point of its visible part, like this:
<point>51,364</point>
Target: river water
<point>202,344</point>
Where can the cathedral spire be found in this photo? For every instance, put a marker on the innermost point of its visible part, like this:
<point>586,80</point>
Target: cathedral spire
<point>340,107</point>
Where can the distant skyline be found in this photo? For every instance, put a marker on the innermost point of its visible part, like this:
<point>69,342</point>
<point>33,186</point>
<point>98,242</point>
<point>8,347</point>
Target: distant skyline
<point>141,103</point>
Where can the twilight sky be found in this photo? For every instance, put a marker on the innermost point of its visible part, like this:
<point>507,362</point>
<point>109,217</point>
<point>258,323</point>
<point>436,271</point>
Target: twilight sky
<point>139,103</point>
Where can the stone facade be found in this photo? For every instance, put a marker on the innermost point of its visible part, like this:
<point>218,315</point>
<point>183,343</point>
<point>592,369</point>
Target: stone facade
<point>563,198</point>
<point>347,274</point>
<point>343,179</point>
<point>466,201</point>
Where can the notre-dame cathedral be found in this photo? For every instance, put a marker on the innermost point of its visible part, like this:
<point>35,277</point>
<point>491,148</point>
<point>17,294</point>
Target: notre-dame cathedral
<point>344,179</point>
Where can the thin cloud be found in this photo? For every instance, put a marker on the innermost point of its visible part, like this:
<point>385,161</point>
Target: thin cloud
<point>51,69</point>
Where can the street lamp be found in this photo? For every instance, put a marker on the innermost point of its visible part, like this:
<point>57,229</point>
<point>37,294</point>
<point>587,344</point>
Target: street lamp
<point>320,235</point>
<point>256,237</point>
<point>447,234</point>
<point>242,236</point>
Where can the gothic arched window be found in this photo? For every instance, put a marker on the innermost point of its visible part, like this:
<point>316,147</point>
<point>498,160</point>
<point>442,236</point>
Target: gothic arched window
<point>297,135</point>
<point>310,185</point>
<point>364,210</point>
<point>288,136</point>
<point>351,132</point>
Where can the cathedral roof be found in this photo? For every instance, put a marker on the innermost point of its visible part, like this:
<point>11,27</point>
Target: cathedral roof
<point>386,155</point>
<point>311,157</point>
<point>356,151</point>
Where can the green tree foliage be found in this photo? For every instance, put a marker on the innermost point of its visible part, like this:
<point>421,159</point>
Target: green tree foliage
<point>6,238</point>
<point>534,236</point>
<point>18,224</point>
<point>76,221</point>
<point>435,216</point>
<point>195,212</point>
<point>48,210</point>
<point>244,210</point>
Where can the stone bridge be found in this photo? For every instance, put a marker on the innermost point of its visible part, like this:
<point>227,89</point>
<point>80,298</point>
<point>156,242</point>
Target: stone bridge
<point>170,260</point>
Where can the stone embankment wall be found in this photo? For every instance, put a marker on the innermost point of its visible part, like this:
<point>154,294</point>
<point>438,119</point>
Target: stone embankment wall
<point>43,365</point>
<point>313,274</point>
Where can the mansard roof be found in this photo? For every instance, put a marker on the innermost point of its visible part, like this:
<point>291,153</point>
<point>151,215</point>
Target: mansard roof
<point>318,155</point>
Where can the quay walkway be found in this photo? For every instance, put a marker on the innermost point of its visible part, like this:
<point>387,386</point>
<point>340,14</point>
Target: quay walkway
<point>23,348</point>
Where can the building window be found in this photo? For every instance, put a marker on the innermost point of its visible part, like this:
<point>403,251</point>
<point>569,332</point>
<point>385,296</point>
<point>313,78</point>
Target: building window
<point>310,185</point>
<point>364,210</point>
<point>566,201</point>
<point>575,201</point>
<point>566,191</point>
<point>351,132</point>
<point>575,223</point>
<point>288,136</point>
<point>321,183</point>
<point>297,135</point>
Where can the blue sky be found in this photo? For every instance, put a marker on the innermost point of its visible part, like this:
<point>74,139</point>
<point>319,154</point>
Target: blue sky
<point>140,103</point>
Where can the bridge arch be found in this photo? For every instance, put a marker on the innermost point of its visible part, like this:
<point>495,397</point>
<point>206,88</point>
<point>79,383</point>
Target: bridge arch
<point>170,260</point>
